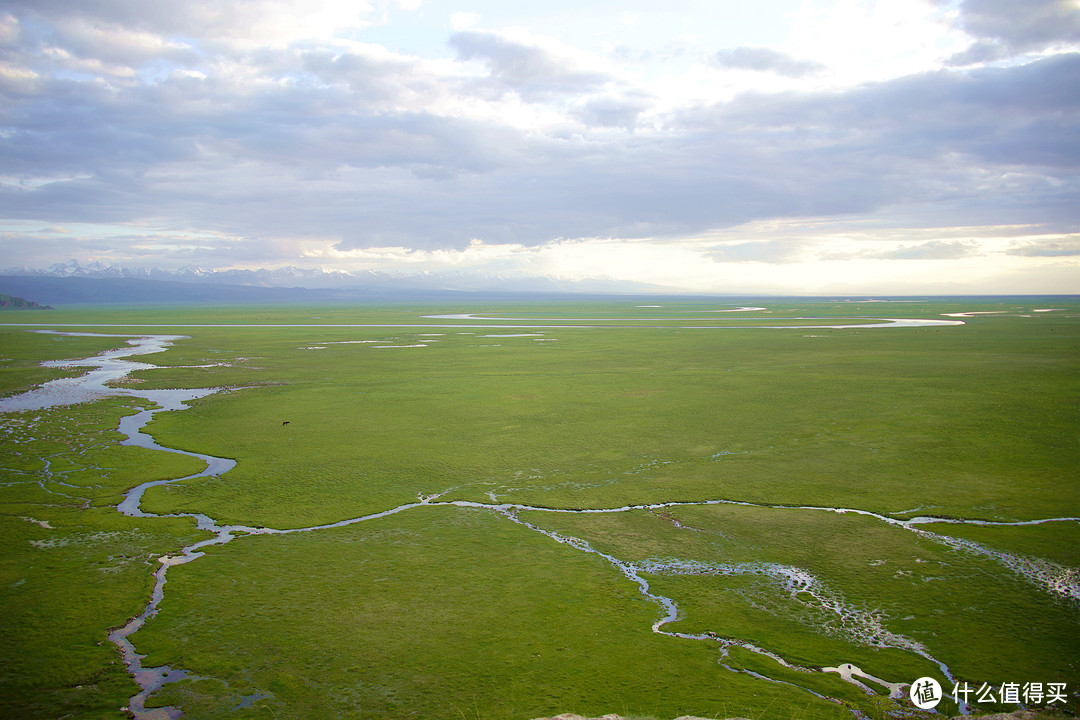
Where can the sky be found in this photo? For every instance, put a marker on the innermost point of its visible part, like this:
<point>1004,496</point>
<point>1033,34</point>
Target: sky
<point>774,146</point>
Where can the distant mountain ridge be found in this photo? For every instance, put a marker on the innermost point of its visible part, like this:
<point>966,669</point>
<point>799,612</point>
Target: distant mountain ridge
<point>9,302</point>
<point>133,291</point>
<point>98,283</point>
<point>320,278</point>
<point>280,277</point>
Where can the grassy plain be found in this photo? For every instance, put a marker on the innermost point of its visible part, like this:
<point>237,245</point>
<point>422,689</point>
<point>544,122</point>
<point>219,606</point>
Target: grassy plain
<point>71,566</point>
<point>445,612</point>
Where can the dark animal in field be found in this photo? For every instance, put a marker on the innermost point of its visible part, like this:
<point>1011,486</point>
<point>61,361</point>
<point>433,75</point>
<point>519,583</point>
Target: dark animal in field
<point>285,423</point>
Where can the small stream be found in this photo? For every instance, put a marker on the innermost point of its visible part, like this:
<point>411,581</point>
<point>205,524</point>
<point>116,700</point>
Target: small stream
<point>150,679</point>
<point>113,365</point>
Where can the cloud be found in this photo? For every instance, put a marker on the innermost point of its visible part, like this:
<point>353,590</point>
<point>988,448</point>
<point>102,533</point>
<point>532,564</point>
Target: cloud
<point>612,111</point>
<point>226,147</point>
<point>767,251</point>
<point>237,23</point>
<point>934,250</point>
<point>1051,248</point>
<point>1004,28</point>
<point>119,45</point>
<point>531,71</point>
<point>766,60</point>
<point>325,143</point>
<point>986,145</point>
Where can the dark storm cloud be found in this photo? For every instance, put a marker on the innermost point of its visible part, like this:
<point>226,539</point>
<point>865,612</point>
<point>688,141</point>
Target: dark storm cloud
<point>766,60</point>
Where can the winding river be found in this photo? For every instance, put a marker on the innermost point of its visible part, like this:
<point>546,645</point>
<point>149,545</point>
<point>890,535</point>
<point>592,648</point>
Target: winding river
<point>543,323</point>
<point>882,322</point>
<point>113,365</point>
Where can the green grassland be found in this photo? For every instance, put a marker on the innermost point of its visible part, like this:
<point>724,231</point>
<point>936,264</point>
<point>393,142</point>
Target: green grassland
<point>71,567</point>
<point>451,612</point>
<point>442,612</point>
<point>22,352</point>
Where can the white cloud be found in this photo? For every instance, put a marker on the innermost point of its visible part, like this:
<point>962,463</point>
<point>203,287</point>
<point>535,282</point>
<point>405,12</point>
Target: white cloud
<point>1003,29</point>
<point>464,20</point>
<point>804,256</point>
<point>274,131</point>
<point>1054,246</point>
<point>866,40</point>
<point>533,68</point>
<point>762,59</point>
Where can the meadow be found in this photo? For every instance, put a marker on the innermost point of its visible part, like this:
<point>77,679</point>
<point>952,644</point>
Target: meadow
<point>499,606</point>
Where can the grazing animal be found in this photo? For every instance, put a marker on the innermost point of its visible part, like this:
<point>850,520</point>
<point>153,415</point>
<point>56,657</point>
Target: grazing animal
<point>285,423</point>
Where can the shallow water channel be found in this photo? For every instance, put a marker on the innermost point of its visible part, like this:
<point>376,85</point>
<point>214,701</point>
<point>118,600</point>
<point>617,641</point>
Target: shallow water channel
<point>113,365</point>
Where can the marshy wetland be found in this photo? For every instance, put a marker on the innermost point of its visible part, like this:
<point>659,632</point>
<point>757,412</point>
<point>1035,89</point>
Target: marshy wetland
<point>787,509</point>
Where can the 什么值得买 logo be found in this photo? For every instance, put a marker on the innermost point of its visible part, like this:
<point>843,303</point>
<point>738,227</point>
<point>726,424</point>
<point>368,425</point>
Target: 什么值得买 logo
<point>925,693</point>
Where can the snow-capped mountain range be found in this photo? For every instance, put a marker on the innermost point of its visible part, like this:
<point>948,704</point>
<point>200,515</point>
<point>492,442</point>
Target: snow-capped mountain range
<point>280,277</point>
